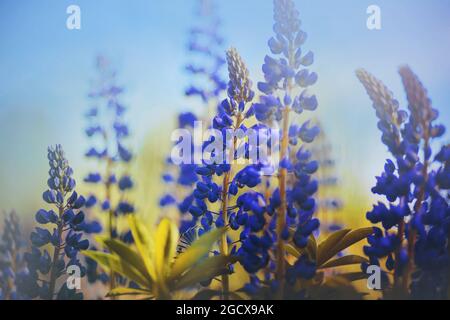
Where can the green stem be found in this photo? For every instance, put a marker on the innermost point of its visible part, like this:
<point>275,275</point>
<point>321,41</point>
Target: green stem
<point>56,253</point>
<point>401,231</point>
<point>223,241</point>
<point>280,252</point>
<point>224,250</point>
<point>417,206</point>
<point>111,224</point>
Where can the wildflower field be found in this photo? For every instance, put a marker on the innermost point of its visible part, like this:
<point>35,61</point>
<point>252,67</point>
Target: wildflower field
<point>208,150</point>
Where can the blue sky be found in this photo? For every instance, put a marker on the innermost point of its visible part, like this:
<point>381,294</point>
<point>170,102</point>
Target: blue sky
<point>46,69</point>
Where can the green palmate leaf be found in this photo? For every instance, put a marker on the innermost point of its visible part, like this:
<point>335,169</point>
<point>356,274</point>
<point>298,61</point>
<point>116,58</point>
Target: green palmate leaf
<point>353,276</point>
<point>166,240</point>
<point>339,241</point>
<point>127,254</point>
<point>294,251</point>
<point>106,260</point>
<point>207,269</point>
<point>115,264</point>
<point>325,249</point>
<point>344,261</point>
<point>116,292</point>
<point>311,249</point>
<point>195,252</point>
<point>353,237</point>
<point>144,244</point>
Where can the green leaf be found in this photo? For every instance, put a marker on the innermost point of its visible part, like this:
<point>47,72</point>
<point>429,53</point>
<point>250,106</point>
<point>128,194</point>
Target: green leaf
<point>104,259</point>
<point>208,269</point>
<point>344,261</point>
<point>166,240</point>
<point>294,251</point>
<point>353,276</point>
<point>325,249</point>
<point>144,244</point>
<point>353,237</point>
<point>118,265</point>
<point>311,248</point>
<point>196,251</point>
<point>127,254</point>
<point>340,241</point>
<point>116,292</point>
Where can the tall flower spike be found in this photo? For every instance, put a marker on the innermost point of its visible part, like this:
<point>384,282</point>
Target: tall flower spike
<point>419,104</point>
<point>417,95</point>
<point>394,183</point>
<point>285,91</point>
<point>328,203</point>
<point>239,88</point>
<point>12,247</point>
<point>108,128</point>
<point>419,132</point>
<point>416,227</point>
<point>45,269</point>
<point>231,117</point>
<point>286,16</point>
<point>386,107</point>
<point>206,42</point>
<point>207,83</point>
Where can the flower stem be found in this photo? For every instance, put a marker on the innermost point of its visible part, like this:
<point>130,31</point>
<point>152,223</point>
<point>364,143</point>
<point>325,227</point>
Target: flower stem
<point>280,250</point>
<point>112,276</point>
<point>56,253</point>
<point>281,214</point>
<point>417,206</point>
<point>223,241</point>
<point>401,231</point>
<point>225,188</point>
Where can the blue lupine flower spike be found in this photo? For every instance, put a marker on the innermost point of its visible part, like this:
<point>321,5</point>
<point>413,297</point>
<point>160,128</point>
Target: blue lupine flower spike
<point>108,131</point>
<point>12,262</point>
<point>60,230</point>
<point>286,89</point>
<point>415,222</point>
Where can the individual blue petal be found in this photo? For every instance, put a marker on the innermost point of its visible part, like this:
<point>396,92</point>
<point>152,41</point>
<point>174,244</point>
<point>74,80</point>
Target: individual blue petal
<point>93,178</point>
<point>125,183</point>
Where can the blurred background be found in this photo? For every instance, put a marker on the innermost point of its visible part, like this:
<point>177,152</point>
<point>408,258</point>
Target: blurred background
<point>46,71</point>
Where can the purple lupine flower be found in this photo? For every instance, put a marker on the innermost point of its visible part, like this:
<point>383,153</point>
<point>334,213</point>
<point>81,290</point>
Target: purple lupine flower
<point>416,220</point>
<point>205,43</point>
<point>328,203</point>
<point>231,116</point>
<point>286,90</point>
<point>108,128</point>
<point>56,244</point>
<point>12,263</point>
